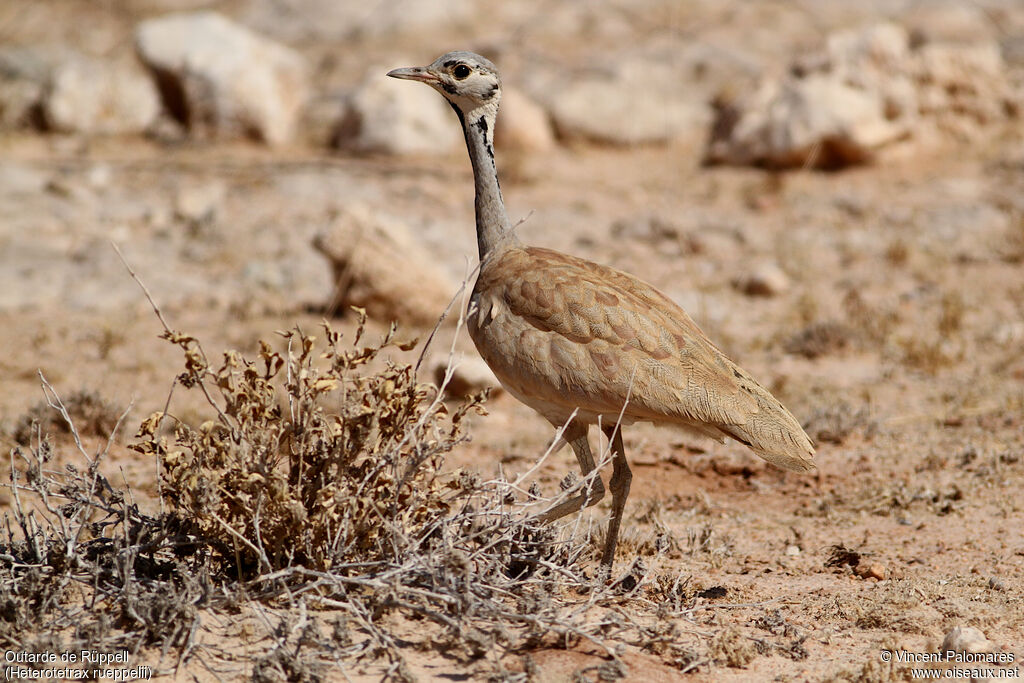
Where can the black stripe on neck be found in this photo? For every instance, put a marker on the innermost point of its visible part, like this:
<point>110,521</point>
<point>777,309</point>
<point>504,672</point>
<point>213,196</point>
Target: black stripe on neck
<point>481,125</point>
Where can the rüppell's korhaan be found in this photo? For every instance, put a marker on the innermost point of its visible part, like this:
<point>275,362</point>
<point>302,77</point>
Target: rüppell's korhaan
<point>582,343</point>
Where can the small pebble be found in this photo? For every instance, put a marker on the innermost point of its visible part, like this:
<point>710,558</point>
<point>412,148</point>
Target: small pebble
<point>967,639</point>
<point>875,570</point>
<point>996,584</point>
<point>763,280</point>
<point>200,203</point>
<point>792,550</point>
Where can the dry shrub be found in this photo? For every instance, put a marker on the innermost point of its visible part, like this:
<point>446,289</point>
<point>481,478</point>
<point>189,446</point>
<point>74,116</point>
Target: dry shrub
<point>874,321</point>
<point>80,566</point>
<point>92,414</point>
<point>876,671</point>
<point>732,648</point>
<point>834,419</point>
<point>307,460</point>
<point>943,348</point>
<point>820,338</point>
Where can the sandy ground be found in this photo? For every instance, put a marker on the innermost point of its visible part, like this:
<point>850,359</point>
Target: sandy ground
<point>898,344</point>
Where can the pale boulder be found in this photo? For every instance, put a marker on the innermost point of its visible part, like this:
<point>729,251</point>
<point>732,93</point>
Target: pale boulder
<point>97,97</point>
<point>380,266</point>
<point>385,116</point>
<point>24,73</point>
<point>765,279</point>
<point>523,125</point>
<point>967,639</point>
<point>867,90</point>
<point>223,79</point>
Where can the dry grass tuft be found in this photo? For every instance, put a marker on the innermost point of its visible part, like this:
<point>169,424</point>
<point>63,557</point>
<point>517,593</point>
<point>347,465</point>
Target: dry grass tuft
<point>820,339</point>
<point>92,414</point>
<point>305,461</point>
<point>731,648</point>
<point>943,348</point>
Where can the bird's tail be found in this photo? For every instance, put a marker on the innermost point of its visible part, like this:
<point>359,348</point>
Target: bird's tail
<point>773,433</point>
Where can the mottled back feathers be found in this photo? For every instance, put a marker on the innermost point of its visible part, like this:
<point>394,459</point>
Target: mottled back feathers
<point>562,333</point>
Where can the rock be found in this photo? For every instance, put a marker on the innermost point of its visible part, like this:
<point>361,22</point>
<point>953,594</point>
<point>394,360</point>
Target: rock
<point>99,176</point>
<point>827,113</point>
<point>875,570</point>
<point>635,102</point>
<point>222,79</point>
<point>99,97</point>
<point>470,375</point>
<point>379,265</point>
<point>304,21</point>
<point>867,90</point>
<point>961,85</point>
<point>24,73</point>
<point>523,125</point>
<point>967,639</point>
<point>949,21</point>
<point>386,116</point>
<point>198,204</point>
<point>766,279</point>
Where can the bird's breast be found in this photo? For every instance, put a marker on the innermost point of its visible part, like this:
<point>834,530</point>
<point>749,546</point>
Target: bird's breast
<point>550,372</point>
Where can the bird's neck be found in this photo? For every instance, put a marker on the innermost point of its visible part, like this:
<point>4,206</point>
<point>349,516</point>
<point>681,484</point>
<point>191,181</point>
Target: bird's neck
<point>493,229</point>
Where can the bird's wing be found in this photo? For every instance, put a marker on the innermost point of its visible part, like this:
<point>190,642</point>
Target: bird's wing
<point>648,340</point>
<point>609,336</point>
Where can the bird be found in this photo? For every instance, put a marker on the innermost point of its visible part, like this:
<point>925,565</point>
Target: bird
<point>583,343</point>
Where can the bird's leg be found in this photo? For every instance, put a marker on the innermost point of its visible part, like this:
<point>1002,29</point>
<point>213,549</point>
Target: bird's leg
<point>619,485</point>
<point>576,434</point>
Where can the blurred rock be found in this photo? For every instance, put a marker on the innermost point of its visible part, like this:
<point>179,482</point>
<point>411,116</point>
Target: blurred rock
<point>298,21</point>
<point>386,116</point>
<point>222,79</point>
<point>469,376</point>
<point>1009,333</point>
<point>199,204</point>
<point>380,266</point>
<point>867,90</point>
<point>98,97</point>
<point>24,73</point>
<point>967,639</point>
<point>99,176</point>
<point>961,87</point>
<point>523,125</point>
<point>949,21</point>
<point>875,570</point>
<point>766,279</point>
<point>635,102</point>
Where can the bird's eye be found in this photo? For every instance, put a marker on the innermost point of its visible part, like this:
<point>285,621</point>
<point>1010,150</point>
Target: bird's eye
<point>461,71</point>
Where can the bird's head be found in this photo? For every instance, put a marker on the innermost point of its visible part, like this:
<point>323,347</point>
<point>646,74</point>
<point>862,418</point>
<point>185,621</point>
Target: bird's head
<point>467,80</point>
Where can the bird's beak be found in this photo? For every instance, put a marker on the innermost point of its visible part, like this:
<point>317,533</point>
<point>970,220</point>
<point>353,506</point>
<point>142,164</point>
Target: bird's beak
<point>414,73</point>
